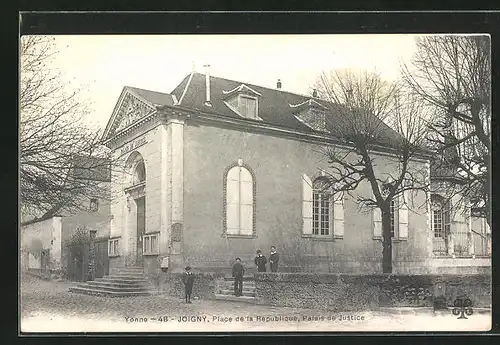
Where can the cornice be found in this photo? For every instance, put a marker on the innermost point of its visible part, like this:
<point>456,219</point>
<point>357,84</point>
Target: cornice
<point>129,129</point>
<point>262,127</point>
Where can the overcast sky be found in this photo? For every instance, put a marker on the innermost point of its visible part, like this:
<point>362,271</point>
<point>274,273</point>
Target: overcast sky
<point>103,64</point>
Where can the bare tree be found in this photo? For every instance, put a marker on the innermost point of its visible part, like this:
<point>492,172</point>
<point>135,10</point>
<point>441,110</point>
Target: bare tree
<point>452,74</point>
<point>57,164</point>
<point>369,115</point>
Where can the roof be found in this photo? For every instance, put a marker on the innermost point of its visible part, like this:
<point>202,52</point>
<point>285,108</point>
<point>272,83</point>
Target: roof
<point>276,107</point>
<point>92,168</point>
<point>273,104</point>
<point>154,97</point>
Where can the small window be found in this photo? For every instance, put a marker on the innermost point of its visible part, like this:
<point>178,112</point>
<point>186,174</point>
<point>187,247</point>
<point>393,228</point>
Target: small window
<point>113,247</point>
<point>150,244</point>
<point>94,205</point>
<point>248,107</point>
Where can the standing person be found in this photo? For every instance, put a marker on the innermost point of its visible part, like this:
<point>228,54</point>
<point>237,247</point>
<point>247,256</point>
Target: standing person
<point>260,261</point>
<point>273,259</point>
<point>238,271</point>
<point>188,280</point>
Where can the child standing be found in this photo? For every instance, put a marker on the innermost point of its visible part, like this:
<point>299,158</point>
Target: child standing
<point>238,272</point>
<point>188,280</point>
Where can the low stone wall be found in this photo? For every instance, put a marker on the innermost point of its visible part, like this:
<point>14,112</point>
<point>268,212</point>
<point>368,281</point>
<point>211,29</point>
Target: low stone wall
<point>343,292</point>
<point>204,287</point>
<point>44,274</point>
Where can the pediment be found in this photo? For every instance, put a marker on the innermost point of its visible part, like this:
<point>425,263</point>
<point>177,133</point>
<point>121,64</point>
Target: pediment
<point>241,89</point>
<point>129,109</point>
<point>310,103</point>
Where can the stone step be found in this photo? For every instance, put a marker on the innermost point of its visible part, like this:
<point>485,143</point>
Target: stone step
<point>116,287</point>
<point>121,280</point>
<point>231,287</point>
<point>231,293</point>
<point>100,292</point>
<point>250,285</point>
<point>114,283</point>
<point>128,275</point>
<point>134,271</point>
<point>113,288</point>
<point>233,298</point>
<point>245,278</point>
<point>228,285</point>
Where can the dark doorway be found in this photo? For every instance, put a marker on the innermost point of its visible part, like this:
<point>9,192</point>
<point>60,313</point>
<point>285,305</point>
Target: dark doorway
<point>141,227</point>
<point>101,258</point>
<point>77,262</point>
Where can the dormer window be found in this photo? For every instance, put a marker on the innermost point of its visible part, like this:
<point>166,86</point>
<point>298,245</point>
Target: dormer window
<point>312,114</point>
<point>244,101</point>
<point>248,106</point>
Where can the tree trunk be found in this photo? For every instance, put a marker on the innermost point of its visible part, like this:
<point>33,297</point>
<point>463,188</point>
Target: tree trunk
<point>386,241</point>
<point>487,203</point>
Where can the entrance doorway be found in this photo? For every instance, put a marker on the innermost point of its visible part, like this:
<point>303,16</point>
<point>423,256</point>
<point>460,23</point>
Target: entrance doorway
<point>141,227</point>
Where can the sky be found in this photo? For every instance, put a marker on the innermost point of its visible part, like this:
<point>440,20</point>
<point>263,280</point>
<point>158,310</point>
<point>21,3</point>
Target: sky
<point>103,64</point>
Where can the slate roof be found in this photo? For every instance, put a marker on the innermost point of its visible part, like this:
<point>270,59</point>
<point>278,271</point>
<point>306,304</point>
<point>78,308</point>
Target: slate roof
<point>92,168</point>
<point>274,104</point>
<point>155,97</point>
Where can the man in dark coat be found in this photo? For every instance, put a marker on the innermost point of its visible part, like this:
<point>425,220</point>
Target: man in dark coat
<point>188,280</point>
<point>260,261</point>
<point>238,271</point>
<point>273,259</point>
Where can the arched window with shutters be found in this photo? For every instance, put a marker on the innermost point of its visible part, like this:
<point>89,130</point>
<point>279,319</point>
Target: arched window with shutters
<point>322,210</point>
<point>239,201</point>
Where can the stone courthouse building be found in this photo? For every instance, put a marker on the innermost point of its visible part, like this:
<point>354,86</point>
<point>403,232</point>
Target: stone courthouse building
<point>218,169</point>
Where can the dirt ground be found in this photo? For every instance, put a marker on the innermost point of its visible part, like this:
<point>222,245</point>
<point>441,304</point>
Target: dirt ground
<point>48,306</point>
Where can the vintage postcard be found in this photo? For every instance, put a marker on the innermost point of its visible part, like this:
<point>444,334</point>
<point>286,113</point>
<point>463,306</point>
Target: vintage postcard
<point>256,183</point>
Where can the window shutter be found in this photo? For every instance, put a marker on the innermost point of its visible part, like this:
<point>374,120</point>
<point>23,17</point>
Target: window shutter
<point>233,201</point>
<point>377,222</point>
<point>307,199</point>
<point>403,216</point>
<point>246,203</point>
<point>338,215</point>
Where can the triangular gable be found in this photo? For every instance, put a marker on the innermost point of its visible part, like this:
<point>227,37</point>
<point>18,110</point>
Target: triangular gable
<point>310,103</point>
<point>241,88</point>
<point>129,109</point>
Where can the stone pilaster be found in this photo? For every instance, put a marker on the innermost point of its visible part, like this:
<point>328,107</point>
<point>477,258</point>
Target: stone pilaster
<point>175,194</point>
<point>165,243</point>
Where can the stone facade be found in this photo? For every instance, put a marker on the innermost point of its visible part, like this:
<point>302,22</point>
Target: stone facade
<point>42,238</point>
<point>56,233</point>
<point>187,148</point>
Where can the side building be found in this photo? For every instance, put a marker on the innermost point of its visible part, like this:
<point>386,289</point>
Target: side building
<point>59,244</point>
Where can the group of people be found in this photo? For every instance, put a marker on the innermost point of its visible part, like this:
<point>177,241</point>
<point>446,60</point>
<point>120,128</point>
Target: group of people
<point>237,272</point>
<point>260,261</point>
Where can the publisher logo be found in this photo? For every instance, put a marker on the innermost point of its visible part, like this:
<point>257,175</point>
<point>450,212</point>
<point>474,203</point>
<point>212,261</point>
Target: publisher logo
<point>462,307</point>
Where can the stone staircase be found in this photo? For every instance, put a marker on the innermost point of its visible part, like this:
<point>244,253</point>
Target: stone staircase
<point>128,281</point>
<point>226,290</point>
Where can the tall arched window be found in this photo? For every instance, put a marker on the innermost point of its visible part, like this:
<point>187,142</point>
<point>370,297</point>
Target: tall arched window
<point>239,217</point>
<point>139,173</point>
<point>321,207</point>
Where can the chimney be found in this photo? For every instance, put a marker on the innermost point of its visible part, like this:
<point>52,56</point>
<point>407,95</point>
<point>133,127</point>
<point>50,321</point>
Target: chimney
<point>278,84</point>
<point>207,85</point>
<point>315,93</point>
